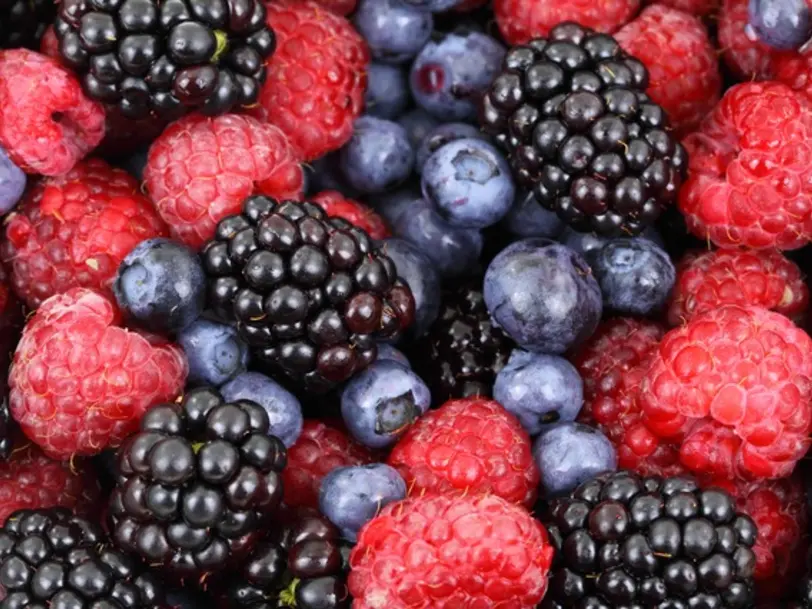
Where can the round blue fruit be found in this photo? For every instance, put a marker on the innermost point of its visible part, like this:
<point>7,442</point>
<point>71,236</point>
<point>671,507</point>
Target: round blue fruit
<point>387,94</point>
<point>392,205</point>
<point>388,352</point>
<point>12,183</point>
<point>434,6</point>
<point>395,32</point>
<point>325,174</point>
<point>439,137</point>
<point>529,219</point>
<point>418,124</point>
<point>160,284</point>
<point>378,157</point>
<point>588,244</point>
<point>543,295</point>
<point>781,24</point>
<point>215,352</point>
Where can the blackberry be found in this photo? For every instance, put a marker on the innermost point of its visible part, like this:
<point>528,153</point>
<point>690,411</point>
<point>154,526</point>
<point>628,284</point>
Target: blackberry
<point>572,112</point>
<point>52,558</point>
<point>23,22</point>
<point>197,483</point>
<point>310,294</point>
<point>166,57</point>
<point>626,541</point>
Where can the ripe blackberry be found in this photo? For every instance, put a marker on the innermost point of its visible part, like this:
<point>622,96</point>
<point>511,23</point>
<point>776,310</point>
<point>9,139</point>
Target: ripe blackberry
<point>166,57</point>
<point>311,294</point>
<point>463,351</point>
<point>626,541</point>
<point>572,112</point>
<point>52,558</point>
<point>23,22</point>
<point>197,483</point>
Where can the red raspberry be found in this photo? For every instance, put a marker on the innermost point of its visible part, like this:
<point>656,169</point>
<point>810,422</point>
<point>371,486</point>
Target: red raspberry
<point>339,7</point>
<point>708,280</point>
<point>522,20</point>
<point>316,77</point>
<point>46,123</point>
<point>80,383</point>
<point>612,365</point>
<point>11,317</point>
<point>338,206</point>
<point>320,449</point>
<point>49,44</point>
<point>682,64</point>
<point>734,387</point>
<point>744,54</point>
<point>75,229</point>
<point>694,7</point>
<point>449,551</point>
<point>749,168</point>
<point>202,168</point>
<point>795,71</point>
<point>472,445</point>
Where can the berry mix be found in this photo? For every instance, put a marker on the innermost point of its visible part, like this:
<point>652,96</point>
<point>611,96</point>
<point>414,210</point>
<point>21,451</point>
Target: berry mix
<point>405,304</point>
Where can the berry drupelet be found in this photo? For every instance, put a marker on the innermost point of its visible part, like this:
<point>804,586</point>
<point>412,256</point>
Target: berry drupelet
<point>311,294</point>
<point>572,112</point>
<point>626,541</point>
<point>165,57</point>
<point>197,483</point>
<point>52,558</point>
<point>23,22</point>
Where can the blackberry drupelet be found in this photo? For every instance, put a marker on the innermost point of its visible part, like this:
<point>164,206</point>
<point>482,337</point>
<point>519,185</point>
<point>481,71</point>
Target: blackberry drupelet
<point>23,22</point>
<point>648,543</point>
<point>51,558</point>
<point>572,112</point>
<point>310,294</point>
<point>197,484</point>
<point>166,57</point>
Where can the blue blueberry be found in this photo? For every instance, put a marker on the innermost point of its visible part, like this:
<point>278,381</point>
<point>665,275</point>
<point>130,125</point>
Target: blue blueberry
<point>539,389</point>
<point>636,276</point>
<point>416,269</point>
<point>388,352</point>
<point>529,219</point>
<point>284,410</point>
<point>434,6</point>
<point>387,94</point>
<point>781,24</point>
<point>588,244</point>
<point>449,76</point>
<point>12,183</point>
<point>417,123</point>
<point>382,401</point>
<point>440,136</point>
<point>160,284</point>
<point>349,497</point>
<point>543,295</point>
<point>395,32</point>
<point>392,205</point>
<point>469,182</point>
<point>569,454</point>
<point>378,157</point>
<point>325,174</point>
<point>215,352</point>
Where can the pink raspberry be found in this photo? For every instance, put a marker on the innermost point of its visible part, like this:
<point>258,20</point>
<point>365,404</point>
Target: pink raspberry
<point>744,54</point>
<point>694,7</point>
<point>338,206</point>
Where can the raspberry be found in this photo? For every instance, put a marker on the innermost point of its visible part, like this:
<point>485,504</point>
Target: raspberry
<point>745,55</point>
<point>694,7</point>
<point>746,186</point>
<point>612,365</point>
<point>316,78</point>
<point>11,317</point>
<point>339,7</point>
<point>521,20</point>
<point>708,280</point>
<point>733,387</point>
<point>47,124</point>
<point>338,206</point>
<point>795,71</point>
<point>472,445</point>
<point>74,230</point>
<point>49,45</point>
<point>442,551</point>
<point>79,383</point>
<point>682,64</point>
<point>201,169</point>
<point>320,449</point>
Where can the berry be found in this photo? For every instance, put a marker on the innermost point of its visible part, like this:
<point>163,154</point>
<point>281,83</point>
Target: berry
<point>744,54</point>
<point>164,58</point>
<point>558,318</point>
<point>197,484</point>
<point>12,183</point>
<point>439,137</point>
<point>387,94</point>
<point>47,123</point>
<point>793,69</point>
<point>378,157</point>
<point>391,205</point>
<point>388,352</point>
<point>352,496</point>
<point>589,245</point>
<point>215,352</point>
<point>357,214</point>
<point>745,188</point>
<point>781,24</point>
<point>201,169</point>
<point>433,6</point>
<point>417,123</point>
<point>316,78</point>
<point>732,387</point>
<point>320,448</point>
<point>700,8</point>
<point>621,539</point>
<point>539,390</point>
<point>394,30</point>
<point>528,219</point>
<point>80,383</point>
<point>24,22</point>
<point>494,552</point>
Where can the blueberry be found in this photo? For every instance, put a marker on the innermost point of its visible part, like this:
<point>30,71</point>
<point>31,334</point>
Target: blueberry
<point>434,6</point>
<point>449,76</point>
<point>442,135</point>
<point>325,174</point>
<point>135,163</point>
<point>781,24</point>
<point>568,454</point>
<point>161,285</point>
<point>543,295</point>
<point>539,389</point>
<point>389,353</point>
<point>417,123</point>
<point>588,244</point>
<point>636,276</point>
<point>12,183</point>
<point>378,157</point>
<point>387,94</point>
<point>382,401</point>
<point>215,352</point>
<point>394,31</point>
<point>284,410</point>
<point>454,251</point>
<point>391,205</point>
<point>469,182</point>
<point>352,496</point>
<point>529,219</point>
